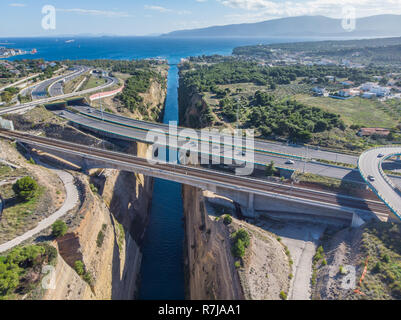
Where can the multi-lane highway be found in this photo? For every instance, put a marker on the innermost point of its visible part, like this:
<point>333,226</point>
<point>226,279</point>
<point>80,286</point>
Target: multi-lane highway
<point>370,165</point>
<point>56,88</point>
<point>203,175</point>
<point>27,106</point>
<point>262,145</point>
<point>41,91</point>
<point>137,130</point>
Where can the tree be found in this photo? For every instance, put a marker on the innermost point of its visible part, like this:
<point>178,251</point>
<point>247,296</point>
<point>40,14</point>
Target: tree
<point>238,249</point>
<point>59,229</point>
<point>227,219</point>
<point>242,235</point>
<point>25,188</point>
<point>270,169</point>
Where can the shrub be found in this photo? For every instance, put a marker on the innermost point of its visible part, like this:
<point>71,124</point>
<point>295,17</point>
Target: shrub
<point>238,249</point>
<point>88,278</point>
<point>242,235</point>
<point>59,228</point>
<point>100,238</point>
<point>227,219</point>
<point>324,262</point>
<point>283,295</point>
<point>79,267</point>
<point>386,258</point>
<point>93,188</point>
<point>342,270</point>
<point>237,264</point>
<point>25,188</point>
<point>378,267</point>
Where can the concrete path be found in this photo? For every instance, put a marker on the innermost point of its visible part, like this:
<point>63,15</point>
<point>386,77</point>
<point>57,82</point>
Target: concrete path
<point>302,240</point>
<point>70,202</point>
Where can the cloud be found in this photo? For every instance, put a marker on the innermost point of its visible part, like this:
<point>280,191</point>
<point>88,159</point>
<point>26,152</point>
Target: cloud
<point>20,5</point>
<point>157,8</point>
<point>92,12</point>
<point>166,10</point>
<point>332,8</point>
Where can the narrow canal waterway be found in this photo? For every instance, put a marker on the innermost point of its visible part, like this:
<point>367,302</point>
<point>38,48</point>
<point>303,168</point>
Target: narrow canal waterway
<point>162,270</point>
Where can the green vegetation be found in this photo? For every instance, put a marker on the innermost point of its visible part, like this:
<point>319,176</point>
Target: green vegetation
<point>100,236</point>
<point>241,242</point>
<point>330,184</point>
<point>380,52</point>
<point>79,267</point>
<point>92,82</point>
<point>227,219</point>
<point>278,103</point>
<point>138,83</point>
<point>342,270</point>
<point>141,75</point>
<point>381,242</point>
<point>93,188</point>
<point>283,295</point>
<point>25,188</point>
<point>20,270</point>
<point>271,169</point>
<point>8,94</point>
<point>59,229</point>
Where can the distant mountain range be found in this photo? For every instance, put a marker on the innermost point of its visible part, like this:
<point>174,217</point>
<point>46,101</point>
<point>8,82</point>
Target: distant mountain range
<point>303,26</point>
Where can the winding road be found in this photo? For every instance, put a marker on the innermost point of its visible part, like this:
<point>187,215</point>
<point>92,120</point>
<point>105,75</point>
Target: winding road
<point>370,165</point>
<point>70,202</point>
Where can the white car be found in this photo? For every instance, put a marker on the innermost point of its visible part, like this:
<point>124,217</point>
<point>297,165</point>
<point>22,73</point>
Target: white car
<point>289,162</point>
<point>372,178</point>
<point>380,155</point>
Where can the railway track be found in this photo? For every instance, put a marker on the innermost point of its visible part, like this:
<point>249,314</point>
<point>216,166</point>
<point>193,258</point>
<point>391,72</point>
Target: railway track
<point>208,175</point>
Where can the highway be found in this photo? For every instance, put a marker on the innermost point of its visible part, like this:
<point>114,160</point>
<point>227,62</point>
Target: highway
<point>27,106</point>
<point>92,120</point>
<point>370,165</point>
<point>56,88</point>
<point>196,174</point>
<point>47,87</point>
<point>261,145</point>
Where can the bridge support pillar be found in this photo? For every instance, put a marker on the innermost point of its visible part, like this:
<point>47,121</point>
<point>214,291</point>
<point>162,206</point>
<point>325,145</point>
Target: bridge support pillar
<point>249,212</point>
<point>357,221</point>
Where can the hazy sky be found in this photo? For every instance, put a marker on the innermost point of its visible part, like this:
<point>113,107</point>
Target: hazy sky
<point>144,17</point>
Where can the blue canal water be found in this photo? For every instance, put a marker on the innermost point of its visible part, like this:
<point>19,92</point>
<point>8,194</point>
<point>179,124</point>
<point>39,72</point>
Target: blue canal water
<point>162,268</point>
<point>162,274</point>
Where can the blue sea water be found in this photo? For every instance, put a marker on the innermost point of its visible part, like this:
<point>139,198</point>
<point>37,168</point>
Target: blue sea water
<point>162,272</point>
<point>128,47</point>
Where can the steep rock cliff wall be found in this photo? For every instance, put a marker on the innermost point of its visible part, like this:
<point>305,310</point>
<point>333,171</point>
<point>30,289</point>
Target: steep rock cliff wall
<point>209,264</point>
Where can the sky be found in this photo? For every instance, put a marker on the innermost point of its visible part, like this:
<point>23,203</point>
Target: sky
<point>149,17</point>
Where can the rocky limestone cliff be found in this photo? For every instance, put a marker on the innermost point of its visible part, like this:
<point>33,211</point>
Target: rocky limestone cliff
<point>209,264</point>
<point>120,213</point>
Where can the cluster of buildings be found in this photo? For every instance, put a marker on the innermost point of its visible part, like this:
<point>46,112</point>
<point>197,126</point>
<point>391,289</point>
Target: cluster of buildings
<point>9,52</point>
<point>367,90</point>
<point>10,67</point>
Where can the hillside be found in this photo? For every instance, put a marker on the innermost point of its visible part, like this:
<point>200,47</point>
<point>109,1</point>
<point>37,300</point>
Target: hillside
<point>304,26</point>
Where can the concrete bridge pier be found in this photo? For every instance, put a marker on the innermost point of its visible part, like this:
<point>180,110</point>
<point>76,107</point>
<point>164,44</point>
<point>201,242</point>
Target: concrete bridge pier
<point>249,211</point>
<point>357,221</point>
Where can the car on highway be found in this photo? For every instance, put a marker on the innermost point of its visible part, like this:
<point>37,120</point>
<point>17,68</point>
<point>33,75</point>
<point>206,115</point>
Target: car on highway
<point>380,155</point>
<point>289,162</point>
<point>372,178</point>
